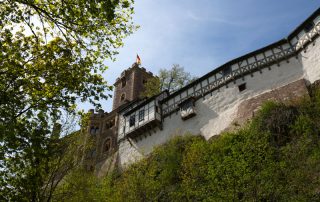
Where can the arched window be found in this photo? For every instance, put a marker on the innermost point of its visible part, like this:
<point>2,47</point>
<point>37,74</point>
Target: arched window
<point>123,96</point>
<point>107,145</point>
<point>110,124</point>
<point>96,130</point>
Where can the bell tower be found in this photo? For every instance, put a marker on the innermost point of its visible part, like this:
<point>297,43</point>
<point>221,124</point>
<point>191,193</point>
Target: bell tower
<point>130,84</point>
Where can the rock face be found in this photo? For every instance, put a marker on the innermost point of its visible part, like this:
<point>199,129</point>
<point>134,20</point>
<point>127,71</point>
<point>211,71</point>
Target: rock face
<point>230,93</point>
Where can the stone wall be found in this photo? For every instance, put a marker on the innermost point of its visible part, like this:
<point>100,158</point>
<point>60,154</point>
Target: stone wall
<point>288,93</point>
<point>134,84</point>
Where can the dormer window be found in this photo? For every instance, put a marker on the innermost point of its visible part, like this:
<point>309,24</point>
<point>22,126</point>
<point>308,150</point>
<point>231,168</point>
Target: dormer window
<point>187,108</point>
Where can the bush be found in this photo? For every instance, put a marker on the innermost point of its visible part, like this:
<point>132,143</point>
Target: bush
<point>275,157</point>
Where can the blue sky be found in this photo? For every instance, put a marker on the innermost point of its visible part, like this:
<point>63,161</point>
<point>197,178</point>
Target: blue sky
<point>200,35</point>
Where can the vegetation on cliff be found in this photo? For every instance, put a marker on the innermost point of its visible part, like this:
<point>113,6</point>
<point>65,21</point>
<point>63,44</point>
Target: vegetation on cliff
<point>275,157</point>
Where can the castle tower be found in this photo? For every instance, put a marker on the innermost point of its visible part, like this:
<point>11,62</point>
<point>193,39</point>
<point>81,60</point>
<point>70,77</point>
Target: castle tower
<point>130,84</point>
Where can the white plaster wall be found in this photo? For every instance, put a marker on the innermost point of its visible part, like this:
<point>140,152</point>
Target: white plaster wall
<point>214,113</point>
<point>129,152</point>
<point>120,128</point>
<point>310,59</point>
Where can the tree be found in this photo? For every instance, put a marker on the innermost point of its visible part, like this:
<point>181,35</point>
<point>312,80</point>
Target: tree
<point>45,162</point>
<point>171,80</point>
<point>52,55</point>
<point>151,87</point>
<point>57,53</point>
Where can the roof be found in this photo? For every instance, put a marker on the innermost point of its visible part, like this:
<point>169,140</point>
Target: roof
<point>304,23</point>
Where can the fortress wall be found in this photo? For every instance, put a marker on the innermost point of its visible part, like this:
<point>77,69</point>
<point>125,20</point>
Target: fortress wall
<point>216,112</point>
<point>310,61</point>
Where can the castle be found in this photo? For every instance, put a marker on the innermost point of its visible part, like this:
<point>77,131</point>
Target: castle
<point>209,105</point>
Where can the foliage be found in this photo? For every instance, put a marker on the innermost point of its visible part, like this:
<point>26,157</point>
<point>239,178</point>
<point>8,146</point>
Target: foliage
<point>80,185</point>
<point>275,157</point>
<point>171,80</point>
<point>51,55</point>
<point>43,162</point>
<point>151,87</point>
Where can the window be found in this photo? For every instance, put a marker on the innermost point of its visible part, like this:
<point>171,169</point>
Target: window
<point>123,96</point>
<point>92,130</point>
<point>187,108</point>
<point>141,115</point>
<point>107,145</point>
<point>157,109</point>
<point>123,82</point>
<point>132,120</point>
<point>110,124</point>
<point>92,153</point>
<point>144,81</point>
<point>242,87</point>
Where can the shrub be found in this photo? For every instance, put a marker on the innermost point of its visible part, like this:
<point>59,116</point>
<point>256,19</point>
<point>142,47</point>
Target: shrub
<point>275,157</point>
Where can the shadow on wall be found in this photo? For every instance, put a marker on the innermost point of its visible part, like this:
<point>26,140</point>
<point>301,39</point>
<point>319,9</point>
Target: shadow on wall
<point>211,123</point>
<point>175,126</point>
<point>109,165</point>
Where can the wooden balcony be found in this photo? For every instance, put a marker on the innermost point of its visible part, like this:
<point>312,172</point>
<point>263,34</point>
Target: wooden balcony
<point>144,129</point>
